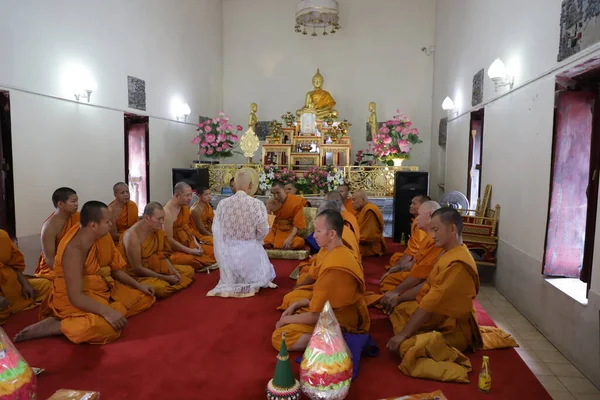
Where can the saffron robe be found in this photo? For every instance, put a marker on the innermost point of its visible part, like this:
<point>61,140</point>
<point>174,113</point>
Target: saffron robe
<point>310,269</point>
<point>289,215</point>
<point>80,326</point>
<point>11,260</point>
<point>155,256</point>
<point>340,281</point>
<point>425,259</point>
<point>206,216</point>
<point>129,216</point>
<point>184,233</point>
<point>349,207</point>
<point>371,224</point>
<point>351,222</point>
<point>43,270</point>
<point>448,293</point>
<point>416,237</point>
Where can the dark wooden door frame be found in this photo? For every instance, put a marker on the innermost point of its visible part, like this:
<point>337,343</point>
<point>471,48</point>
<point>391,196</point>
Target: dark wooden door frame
<point>138,119</point>
<point>7,166</point>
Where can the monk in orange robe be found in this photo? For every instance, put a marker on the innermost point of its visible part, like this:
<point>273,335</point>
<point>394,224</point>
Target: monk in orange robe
<point>188,245</point>
<point>87,303</point>
<point>289,219</point>
<point>17,293</point>
<point>349,218</point>
<point>416,235</point>
<point>340,281</point>
<point>444,303</point>
<point>146,250</point>
<point>124,211</point>
<point>371,224</point>
<point>55,227</point>
<point>290,188</point>
<point>347,199</point>
<point>202,212</point>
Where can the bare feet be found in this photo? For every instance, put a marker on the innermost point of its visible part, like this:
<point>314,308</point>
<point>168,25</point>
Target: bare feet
<point>47,327</point>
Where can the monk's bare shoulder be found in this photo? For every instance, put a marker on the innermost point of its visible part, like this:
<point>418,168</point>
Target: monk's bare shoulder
<point>53,226</point>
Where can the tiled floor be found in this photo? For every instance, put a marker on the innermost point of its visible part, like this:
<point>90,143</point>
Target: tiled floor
<point>562,380</point>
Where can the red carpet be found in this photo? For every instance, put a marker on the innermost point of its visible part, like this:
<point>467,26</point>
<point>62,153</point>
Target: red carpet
<point>195,347</point>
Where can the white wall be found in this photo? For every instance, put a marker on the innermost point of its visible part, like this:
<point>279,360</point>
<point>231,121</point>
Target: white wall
<point>517,142</point>
<point>376,56</point>
<point>175,47</point>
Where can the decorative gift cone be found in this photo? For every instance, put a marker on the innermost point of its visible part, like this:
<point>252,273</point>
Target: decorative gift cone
<point>284,385</point>
<point>326,368</point>
<point>17,380</point>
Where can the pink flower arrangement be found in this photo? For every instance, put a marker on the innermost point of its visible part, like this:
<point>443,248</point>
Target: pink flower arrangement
<point>395,139</point>
<point>216,137</point>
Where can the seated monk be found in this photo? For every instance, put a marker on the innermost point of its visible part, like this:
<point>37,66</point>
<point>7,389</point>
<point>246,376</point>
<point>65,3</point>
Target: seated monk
<point>124,211</point>
<point>289,219</point>
<point>346,198</point>
<point>443,303</point>
<point>416,235</point>
<point>290,188</point>
<point>202,212</point>
<point>85,305</point>
<point>400,279</point>
<point>371,224</point>
<point>55,227</point>
<point>349,219</point>
<point>146,251</point>
<point>340,280</point>
<point>17,293</point>
<point>308,270</point>
<point>189,247</point>
<point>331,204</point>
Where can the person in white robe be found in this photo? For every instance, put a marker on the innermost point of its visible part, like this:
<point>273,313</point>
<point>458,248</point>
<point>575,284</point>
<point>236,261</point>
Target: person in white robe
<point>239,228</point>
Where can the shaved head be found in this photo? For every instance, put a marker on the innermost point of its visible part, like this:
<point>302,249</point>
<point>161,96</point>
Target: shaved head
<point>180,187</point>
<point>359,200</point>
<point>425,212</point>
<point>330,205</point>
<point>151,207</point>
<point>336,196</point>
<point>449,216</point>
<point>430,206</point>
<point>243,181</point>
<point>119,185</point>
<point>361,194</point>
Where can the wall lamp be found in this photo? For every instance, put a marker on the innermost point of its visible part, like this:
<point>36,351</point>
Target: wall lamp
<point>182,112</point>
<point>499,75</point>
<point>448,105</point>
<point>84,94</point>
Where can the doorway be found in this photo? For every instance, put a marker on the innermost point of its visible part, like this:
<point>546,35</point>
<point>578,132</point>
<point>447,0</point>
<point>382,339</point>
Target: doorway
<point>137,158</point>
<point>7,186</point>
<point>475,154</point>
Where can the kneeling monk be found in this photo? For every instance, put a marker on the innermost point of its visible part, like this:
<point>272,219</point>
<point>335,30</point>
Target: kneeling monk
<point>17,293</point>
<point>146,250</point>
<point>371,225</point>
<point>417,235</point>
<point>202,214</point>
<point>340,281</point>
<point>444,303</point>
<point>124,211</point>
<point>189,247</point>
<point>84,304</point>
<point>289,219</point>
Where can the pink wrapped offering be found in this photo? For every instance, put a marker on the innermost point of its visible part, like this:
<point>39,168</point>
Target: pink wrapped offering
<point>17,380</point>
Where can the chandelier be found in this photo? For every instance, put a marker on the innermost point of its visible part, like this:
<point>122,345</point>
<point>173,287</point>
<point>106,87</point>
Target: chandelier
<point>318,16</point>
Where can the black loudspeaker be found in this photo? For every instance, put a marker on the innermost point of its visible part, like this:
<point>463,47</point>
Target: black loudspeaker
<point>406,186</point>
<point>195,177</point>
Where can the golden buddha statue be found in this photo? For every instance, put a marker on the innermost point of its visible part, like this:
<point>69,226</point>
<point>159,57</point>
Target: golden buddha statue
<point>252,120</point>
<point>373,119</point>
<point>319,99</point>
<point>249,142</point>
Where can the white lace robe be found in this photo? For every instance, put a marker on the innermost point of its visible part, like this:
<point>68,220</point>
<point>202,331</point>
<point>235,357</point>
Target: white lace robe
<point>239,227</point>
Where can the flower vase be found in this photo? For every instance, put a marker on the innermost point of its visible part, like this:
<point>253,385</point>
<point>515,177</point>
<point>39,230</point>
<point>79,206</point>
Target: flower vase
<point>398,162</point>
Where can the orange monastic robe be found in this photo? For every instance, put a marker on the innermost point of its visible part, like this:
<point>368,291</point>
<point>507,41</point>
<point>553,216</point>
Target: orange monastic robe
<point>129,216</point>
<point>43,270</point>
<point>371,224</point>
<point>11,261</point>
<point>340,281</point>
<point>349,207</point>
<point>288,216</point>
<point>416,237</point>
<point>184,233</point>
<point>448,293</point>
<point>310,269</point>
<point>351,222</point>
<point>80,326</point>
<point>155,256</point>
<point>207,216</point>
<point>425,259</point>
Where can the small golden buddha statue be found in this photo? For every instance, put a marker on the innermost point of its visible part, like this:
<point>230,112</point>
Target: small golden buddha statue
<point>373,119</point>
<point>319,99</point>
<point>252,119</point>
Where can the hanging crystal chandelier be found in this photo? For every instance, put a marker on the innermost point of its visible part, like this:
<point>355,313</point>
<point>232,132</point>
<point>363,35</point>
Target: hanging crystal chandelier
<point>318,16</point>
